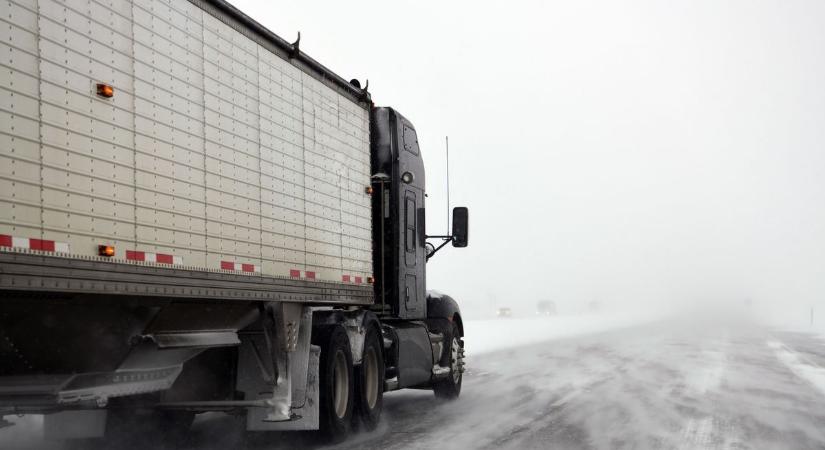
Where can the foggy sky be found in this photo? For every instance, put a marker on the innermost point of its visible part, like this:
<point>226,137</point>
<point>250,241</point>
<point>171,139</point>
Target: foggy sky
<point>633,153</point>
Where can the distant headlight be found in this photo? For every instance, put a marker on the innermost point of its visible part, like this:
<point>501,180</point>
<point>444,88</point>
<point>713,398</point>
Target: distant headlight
<point>407,177</point>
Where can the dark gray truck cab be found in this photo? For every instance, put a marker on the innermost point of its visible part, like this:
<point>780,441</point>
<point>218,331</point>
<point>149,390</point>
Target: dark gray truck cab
<point>417,318</point>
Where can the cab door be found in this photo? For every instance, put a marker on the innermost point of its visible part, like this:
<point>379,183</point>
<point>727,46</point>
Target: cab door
<point>398,214</point>
<point>411,297</point>
<point>411,250</point>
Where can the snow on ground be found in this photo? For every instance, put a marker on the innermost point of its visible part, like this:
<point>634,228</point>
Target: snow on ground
<point>485,336</point>
<point>687,383</point>
<point>802,323</point>
<point>800,365</point>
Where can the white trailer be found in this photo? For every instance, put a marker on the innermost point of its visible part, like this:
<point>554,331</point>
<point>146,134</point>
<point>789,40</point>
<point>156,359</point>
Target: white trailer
<point>213,213</point>
<point>212,152</point>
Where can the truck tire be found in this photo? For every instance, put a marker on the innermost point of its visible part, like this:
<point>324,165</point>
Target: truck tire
<point>335,382</point>
<point>450,387</point>
<point>369,380</point>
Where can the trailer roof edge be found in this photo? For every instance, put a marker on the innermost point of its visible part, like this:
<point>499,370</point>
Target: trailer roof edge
<point>235,18</point>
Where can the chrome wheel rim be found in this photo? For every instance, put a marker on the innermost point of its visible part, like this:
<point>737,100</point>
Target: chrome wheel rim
<point>456,360</point>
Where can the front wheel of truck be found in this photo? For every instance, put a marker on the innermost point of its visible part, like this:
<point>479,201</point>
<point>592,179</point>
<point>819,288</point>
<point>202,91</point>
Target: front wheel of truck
<point>450,386</point>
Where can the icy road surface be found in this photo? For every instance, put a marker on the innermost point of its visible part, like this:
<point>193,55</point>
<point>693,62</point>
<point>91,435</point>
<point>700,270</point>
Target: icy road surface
<point>657,385</point>
<point>662,385</point>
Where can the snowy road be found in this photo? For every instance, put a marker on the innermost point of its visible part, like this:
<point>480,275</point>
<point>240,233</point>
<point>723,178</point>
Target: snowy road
<point>661,385</point>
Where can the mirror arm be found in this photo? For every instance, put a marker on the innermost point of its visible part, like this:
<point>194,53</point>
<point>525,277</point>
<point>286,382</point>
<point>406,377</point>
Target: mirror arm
<point>447,240</point>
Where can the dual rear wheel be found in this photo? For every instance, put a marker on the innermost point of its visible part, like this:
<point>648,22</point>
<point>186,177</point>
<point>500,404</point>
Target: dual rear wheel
<point>350,396</point>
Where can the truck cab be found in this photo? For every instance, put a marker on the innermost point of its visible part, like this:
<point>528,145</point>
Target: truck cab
<point>401,255</point>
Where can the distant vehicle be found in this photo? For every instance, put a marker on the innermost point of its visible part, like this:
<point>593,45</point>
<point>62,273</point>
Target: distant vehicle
<point>546,308</point>
<point>504,312</point>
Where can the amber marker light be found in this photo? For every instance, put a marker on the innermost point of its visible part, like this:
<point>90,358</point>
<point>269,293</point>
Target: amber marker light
<point>104,90</point>
<point>105,250</point>
<point>369,190</point>
<point>370,280</point>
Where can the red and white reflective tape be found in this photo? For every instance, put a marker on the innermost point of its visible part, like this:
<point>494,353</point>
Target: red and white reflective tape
<point>352,279</point>
<point>308,274</point>
<point>239,267</point>
<point>159,258</point>
<point>33,244</point>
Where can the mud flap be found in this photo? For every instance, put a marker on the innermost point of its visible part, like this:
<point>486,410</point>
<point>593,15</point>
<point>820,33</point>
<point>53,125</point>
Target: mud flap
<point>305,416</point>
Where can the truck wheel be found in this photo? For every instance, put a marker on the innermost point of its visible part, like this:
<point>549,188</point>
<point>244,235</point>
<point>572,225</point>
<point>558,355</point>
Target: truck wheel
<point>335,382</point>
<point>450,387</point>
<point>369,380</point>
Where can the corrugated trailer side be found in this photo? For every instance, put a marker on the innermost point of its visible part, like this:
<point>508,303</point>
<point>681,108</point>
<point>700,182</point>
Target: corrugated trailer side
<point>215,153</point>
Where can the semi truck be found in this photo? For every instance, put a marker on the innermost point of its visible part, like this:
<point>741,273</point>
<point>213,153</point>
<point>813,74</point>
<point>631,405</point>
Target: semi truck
<point>196,216</point>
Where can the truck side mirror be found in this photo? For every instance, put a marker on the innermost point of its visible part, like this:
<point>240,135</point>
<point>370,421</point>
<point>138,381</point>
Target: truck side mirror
<point>460,225</point>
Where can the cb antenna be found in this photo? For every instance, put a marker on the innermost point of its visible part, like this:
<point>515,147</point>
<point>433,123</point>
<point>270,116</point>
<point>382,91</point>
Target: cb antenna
<point>447,142</point>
